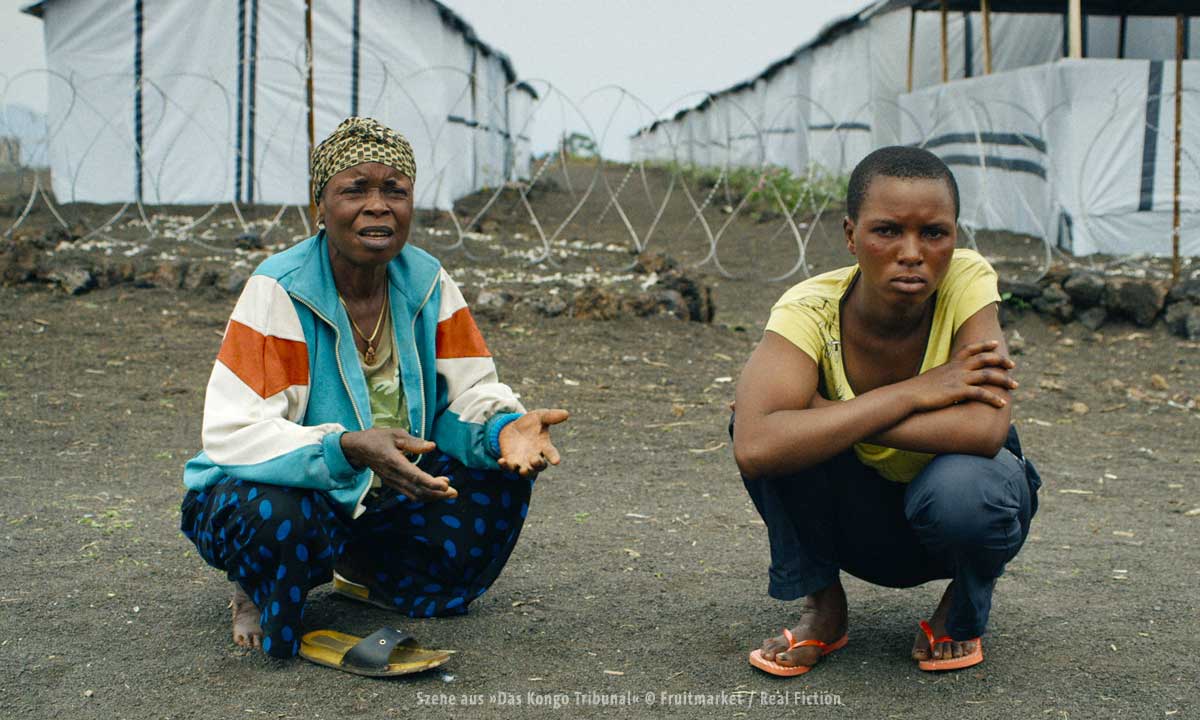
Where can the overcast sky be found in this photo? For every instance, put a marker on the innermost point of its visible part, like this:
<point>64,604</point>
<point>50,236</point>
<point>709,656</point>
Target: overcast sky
<point>666,53</point>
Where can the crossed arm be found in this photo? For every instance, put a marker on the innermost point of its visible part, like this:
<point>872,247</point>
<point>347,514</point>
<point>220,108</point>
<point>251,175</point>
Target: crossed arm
<point>784,424</point>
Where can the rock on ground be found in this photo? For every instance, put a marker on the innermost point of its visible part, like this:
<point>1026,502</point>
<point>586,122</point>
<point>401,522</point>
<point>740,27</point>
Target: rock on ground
<point>1093,318</point>
<point>1085,288</point>
<point>1055,302</point>
<point>1183,319</point>
<point>493,304</point>
<point>75,281</point>
<point>1139,300</point>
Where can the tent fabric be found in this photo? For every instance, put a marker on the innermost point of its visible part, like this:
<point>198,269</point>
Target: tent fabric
<point>1044,7</point>
<point>225,119</point>
<point>94,159</point>
<point>187,113</point>
<point>1071,164</point>
<point>1031,144</point>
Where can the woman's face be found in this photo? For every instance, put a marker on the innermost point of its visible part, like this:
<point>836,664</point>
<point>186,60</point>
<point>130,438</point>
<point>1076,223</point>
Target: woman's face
<point>903,237</point>
<point>367,210</point>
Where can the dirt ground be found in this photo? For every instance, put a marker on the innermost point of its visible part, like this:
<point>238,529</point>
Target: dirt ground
<point>640,576</point>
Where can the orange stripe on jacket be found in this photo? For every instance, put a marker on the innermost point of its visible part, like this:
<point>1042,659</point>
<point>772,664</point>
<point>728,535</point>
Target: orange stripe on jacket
<point>266,364</point>
<point>458,337</point>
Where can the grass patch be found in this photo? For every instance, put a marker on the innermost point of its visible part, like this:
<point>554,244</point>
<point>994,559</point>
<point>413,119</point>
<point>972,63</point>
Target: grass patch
<point>108,520</point>
<point>1014,302</point>
<point>767,192</point>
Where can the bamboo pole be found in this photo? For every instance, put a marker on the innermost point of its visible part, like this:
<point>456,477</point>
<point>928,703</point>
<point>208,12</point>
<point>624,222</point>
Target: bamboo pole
<point>1075,29</point>
<point>945,43</point>
<point>912,38</point>
<point>985,9</point>
<point>308,61</point>
<point>1179,33</point>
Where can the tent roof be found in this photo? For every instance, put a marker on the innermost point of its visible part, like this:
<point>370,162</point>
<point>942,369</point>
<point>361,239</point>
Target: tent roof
<point>448,16</point>
<point>1059,7</point>
<point>841,26</point>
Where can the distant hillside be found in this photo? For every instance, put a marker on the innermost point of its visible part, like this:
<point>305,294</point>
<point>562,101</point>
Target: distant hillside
<point>28,128</point>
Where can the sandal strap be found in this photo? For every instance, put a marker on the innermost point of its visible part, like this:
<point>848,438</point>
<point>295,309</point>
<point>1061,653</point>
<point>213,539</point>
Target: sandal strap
<point>793,643</point>
<point>929,635</point>
<point>374,651</point>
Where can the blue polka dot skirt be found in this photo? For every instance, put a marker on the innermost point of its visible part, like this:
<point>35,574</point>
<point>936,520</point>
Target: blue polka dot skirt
<point>423,559</point>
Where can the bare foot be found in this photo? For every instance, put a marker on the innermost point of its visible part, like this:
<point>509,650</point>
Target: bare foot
<point>247,632</point>
<point>938,623</point>
<point>822,617</point>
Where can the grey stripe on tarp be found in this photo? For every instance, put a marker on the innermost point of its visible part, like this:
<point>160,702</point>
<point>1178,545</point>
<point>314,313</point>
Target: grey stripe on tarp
<point>1066,232</point>
<point>253,93</point>
<point>991,138</point>
<point>995,161</point>
<point>1066,34</point>
<point>355,24</point>
<point>139,26</point>
<point>841,126</point>
<point>968,46</point>
<point>460,120</point>
<point>1150,140</point>
<point>241,96</point>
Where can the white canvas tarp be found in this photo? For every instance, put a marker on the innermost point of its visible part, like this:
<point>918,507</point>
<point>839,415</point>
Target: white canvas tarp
<point>1033,144</point>
<point>223,117</point>
<point>1038,151</point>
<point>91,100</point>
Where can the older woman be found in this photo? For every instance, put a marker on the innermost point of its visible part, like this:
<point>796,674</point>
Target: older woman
<point>873,424</point>
<point>354,422</point>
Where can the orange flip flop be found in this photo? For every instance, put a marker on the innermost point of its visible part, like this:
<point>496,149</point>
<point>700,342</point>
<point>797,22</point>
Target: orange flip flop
<point>774,668</point>
<point>973,658</point>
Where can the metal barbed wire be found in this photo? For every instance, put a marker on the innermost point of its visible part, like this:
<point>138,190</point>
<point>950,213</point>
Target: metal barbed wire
<point>711,182</point>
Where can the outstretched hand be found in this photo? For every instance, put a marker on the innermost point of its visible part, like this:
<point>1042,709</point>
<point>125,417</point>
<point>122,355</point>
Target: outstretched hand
<point>972,374</point>
<point>525,446</point>
<point>384,451</point>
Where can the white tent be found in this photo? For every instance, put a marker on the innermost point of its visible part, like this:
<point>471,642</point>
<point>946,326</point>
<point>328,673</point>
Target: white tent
<point>177,102</point>
<point>1079,152</point>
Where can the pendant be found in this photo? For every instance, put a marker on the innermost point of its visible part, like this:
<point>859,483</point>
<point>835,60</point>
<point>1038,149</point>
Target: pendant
<point>369,355</point>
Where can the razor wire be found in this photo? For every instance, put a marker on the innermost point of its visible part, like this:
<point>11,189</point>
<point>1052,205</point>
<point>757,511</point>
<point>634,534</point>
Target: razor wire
<point>738,187</point>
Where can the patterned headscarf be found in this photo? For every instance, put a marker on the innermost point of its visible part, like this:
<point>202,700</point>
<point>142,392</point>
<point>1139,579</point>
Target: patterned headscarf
<point>356,141</point>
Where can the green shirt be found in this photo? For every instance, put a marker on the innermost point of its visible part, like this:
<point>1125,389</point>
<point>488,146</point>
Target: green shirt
<point>389,409</point>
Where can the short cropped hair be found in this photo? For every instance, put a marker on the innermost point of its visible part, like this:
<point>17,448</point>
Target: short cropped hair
<point>897,161</point>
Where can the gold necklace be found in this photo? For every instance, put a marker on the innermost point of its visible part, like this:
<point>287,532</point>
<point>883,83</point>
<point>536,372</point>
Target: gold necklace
<point>369,355</point>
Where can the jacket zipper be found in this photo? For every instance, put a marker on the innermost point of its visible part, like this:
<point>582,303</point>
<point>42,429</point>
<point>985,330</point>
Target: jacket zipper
<point>337,354</point>
<point>417,350</point>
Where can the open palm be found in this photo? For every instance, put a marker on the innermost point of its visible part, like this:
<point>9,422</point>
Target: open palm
<point>525,446</point>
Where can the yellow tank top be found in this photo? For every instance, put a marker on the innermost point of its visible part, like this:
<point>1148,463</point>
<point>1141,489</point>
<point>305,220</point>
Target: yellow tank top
<point>809,316</point>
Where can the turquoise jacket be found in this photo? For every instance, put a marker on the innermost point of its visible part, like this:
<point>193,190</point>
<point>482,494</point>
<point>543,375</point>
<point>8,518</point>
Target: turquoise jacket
<point>287,383</point>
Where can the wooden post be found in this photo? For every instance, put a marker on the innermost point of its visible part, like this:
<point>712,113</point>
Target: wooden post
<point>1179,51</point>
<point>945,49</point>
<point>1075,29</point>
<point>308,61</point>
<point>985,9</point>
<point>912,37</point>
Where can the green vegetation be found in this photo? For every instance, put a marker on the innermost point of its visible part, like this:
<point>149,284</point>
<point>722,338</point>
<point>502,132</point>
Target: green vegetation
<point>107,520</point>
<point>768,190</point>
<point>1014,302</point>
<point>579,145</point>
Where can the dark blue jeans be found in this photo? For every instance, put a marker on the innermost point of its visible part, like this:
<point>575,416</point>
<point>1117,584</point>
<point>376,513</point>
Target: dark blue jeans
<point>963,517</point>
<point>423,559</point>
